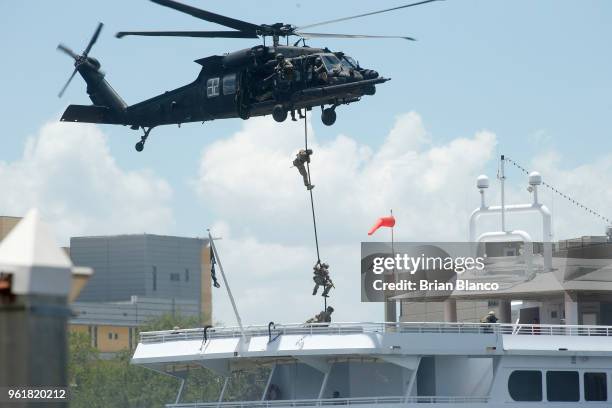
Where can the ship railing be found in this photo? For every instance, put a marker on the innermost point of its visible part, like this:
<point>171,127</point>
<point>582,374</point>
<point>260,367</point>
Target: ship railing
<point>358,328</point>
<point>336,402</point>
<point>555,330</point>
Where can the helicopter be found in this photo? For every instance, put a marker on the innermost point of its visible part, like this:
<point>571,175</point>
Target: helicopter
<point>261,80</point>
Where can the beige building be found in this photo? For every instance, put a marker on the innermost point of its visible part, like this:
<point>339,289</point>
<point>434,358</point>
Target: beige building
<point>7,224</point>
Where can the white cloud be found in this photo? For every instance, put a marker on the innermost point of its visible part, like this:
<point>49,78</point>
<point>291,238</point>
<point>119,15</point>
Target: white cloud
<point>68,172</point>
<point>265,210</point>
<point>354,184</point>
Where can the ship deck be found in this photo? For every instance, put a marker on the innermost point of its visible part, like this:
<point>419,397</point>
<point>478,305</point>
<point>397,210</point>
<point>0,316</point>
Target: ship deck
<point>225,345</point>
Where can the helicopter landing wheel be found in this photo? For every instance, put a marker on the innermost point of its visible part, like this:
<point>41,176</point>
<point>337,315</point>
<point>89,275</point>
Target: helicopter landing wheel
<point>140,145</point>
<point>279,113</point>
<point>328,116</point>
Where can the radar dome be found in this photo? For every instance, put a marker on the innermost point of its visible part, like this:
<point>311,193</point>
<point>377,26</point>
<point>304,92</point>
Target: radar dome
<point>535,179</point>
<point>482,182</point>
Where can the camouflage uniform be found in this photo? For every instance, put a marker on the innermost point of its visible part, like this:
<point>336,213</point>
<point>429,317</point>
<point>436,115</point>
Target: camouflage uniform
<point>321,278</point>
<point>301,158</point>
<point>323,317</point>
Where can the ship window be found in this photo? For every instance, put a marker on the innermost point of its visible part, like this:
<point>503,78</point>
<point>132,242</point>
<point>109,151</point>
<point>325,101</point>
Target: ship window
<point>229,84</point>
<point>595,387</point>
<point>562,386</point>
<point>525,385</point>
<point>175,277</point>
<point>212,87</point>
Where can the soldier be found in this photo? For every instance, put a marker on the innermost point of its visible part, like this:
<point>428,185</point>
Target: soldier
<point>490,318</point>
<point>323,317</point>
<point>301,158</point>
<point>320,71</point>
<point>283,68</point>
<point>321,278</point>
<point>293,115</point>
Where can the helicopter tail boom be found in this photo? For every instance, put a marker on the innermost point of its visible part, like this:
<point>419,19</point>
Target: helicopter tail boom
<point>91,114</point>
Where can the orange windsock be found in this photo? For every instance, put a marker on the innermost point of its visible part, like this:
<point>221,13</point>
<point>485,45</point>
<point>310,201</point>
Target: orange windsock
<point>388,221</point>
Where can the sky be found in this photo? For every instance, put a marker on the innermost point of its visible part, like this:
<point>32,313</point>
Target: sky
<point>527,79</point>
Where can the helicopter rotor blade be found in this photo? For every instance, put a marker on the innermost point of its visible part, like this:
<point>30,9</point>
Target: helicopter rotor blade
<point>201,34</point>
<point>67,51</point>
<point>337,20</point>
<point>331,35</point>
<point>67,83</point>
<point>93,40</point>
<point>208,16</point>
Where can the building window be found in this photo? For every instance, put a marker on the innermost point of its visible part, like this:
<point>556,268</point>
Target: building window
<point>116,336</point>
<point>525,385</point>
<point>229,84</point>
<point>562,386</point>
<point>212,87</point>
<point>110,336</point>
<point>154,278</point>
<point>186,275</point>
<point>175,277</point>
<point>595,387</point>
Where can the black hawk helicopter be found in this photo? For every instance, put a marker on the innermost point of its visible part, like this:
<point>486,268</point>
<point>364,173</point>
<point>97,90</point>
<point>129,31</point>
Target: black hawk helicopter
<point>256,81</point>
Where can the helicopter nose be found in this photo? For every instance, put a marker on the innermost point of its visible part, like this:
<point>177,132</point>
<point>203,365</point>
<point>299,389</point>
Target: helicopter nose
<point>370,74</point>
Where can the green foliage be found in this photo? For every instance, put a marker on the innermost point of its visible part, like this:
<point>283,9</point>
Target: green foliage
<point>98,382</point>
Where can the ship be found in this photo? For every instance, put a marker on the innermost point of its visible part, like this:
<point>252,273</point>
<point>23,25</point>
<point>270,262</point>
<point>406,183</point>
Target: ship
<point>552,345</point>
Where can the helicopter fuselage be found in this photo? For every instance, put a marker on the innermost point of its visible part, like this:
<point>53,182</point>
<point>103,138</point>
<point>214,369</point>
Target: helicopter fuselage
<point>239,84</point>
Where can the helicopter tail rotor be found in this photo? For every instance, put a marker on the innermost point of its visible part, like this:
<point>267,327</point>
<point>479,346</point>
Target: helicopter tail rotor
<point>80,59</point>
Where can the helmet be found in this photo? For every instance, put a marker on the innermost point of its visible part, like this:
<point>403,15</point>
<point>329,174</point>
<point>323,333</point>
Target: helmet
<point>280,57</point>
<point>491,313</point>
<point>330,309</point>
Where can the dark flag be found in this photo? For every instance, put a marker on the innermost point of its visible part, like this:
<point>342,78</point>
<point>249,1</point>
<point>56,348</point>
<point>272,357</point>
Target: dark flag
<point>213,273</point>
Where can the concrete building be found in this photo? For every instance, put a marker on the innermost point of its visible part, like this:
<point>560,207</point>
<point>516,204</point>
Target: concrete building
<point>138,278</point>
<point>577,290</point>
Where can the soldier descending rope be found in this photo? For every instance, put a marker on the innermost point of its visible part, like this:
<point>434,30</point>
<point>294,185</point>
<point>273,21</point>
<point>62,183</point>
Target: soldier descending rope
<point>301,158</point>
<point>321,278</point>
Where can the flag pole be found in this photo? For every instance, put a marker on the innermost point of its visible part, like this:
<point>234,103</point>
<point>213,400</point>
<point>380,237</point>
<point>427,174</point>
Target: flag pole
<point>394,268</point>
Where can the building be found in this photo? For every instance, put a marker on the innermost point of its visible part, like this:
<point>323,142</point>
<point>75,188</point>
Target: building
<point>138,278</point>
<point>7,224</point>
<point>577,289</point>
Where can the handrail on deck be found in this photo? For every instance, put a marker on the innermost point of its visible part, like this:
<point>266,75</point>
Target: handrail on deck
<point>335,402</point>
<point>369,327</point>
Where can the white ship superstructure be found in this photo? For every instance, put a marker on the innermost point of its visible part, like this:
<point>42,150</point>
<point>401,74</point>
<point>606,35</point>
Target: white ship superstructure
<point>441,364</point>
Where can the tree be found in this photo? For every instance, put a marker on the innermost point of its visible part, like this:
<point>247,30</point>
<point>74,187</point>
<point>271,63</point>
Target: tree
<point>98,382</point>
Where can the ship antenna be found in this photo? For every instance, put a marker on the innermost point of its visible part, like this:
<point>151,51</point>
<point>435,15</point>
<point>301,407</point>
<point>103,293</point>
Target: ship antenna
<point>213,248</point>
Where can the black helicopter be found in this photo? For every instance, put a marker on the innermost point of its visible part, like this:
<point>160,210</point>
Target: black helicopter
<point>256,81</point>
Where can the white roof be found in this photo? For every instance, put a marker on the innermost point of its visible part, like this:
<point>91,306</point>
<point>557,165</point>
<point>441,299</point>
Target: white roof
<point>32,243</point>
<point>31,254</point>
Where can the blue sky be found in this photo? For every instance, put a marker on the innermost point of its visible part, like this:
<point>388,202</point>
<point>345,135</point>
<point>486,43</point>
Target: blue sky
<point>536,74</point>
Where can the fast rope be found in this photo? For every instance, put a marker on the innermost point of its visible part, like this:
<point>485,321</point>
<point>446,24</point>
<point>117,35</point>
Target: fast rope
<point>314,218</point>
<point>559,193</point>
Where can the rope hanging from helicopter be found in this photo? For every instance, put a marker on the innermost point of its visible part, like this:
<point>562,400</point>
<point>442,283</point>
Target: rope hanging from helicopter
<point>559,193</point>
<point>312,207</point>
<point>314,218</point>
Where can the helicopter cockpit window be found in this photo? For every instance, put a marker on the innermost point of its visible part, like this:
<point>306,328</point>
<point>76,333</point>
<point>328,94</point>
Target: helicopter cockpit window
<point>212,87</point>
<point>331,62</point>
<point>229,84</point>
<point>349,62</point>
